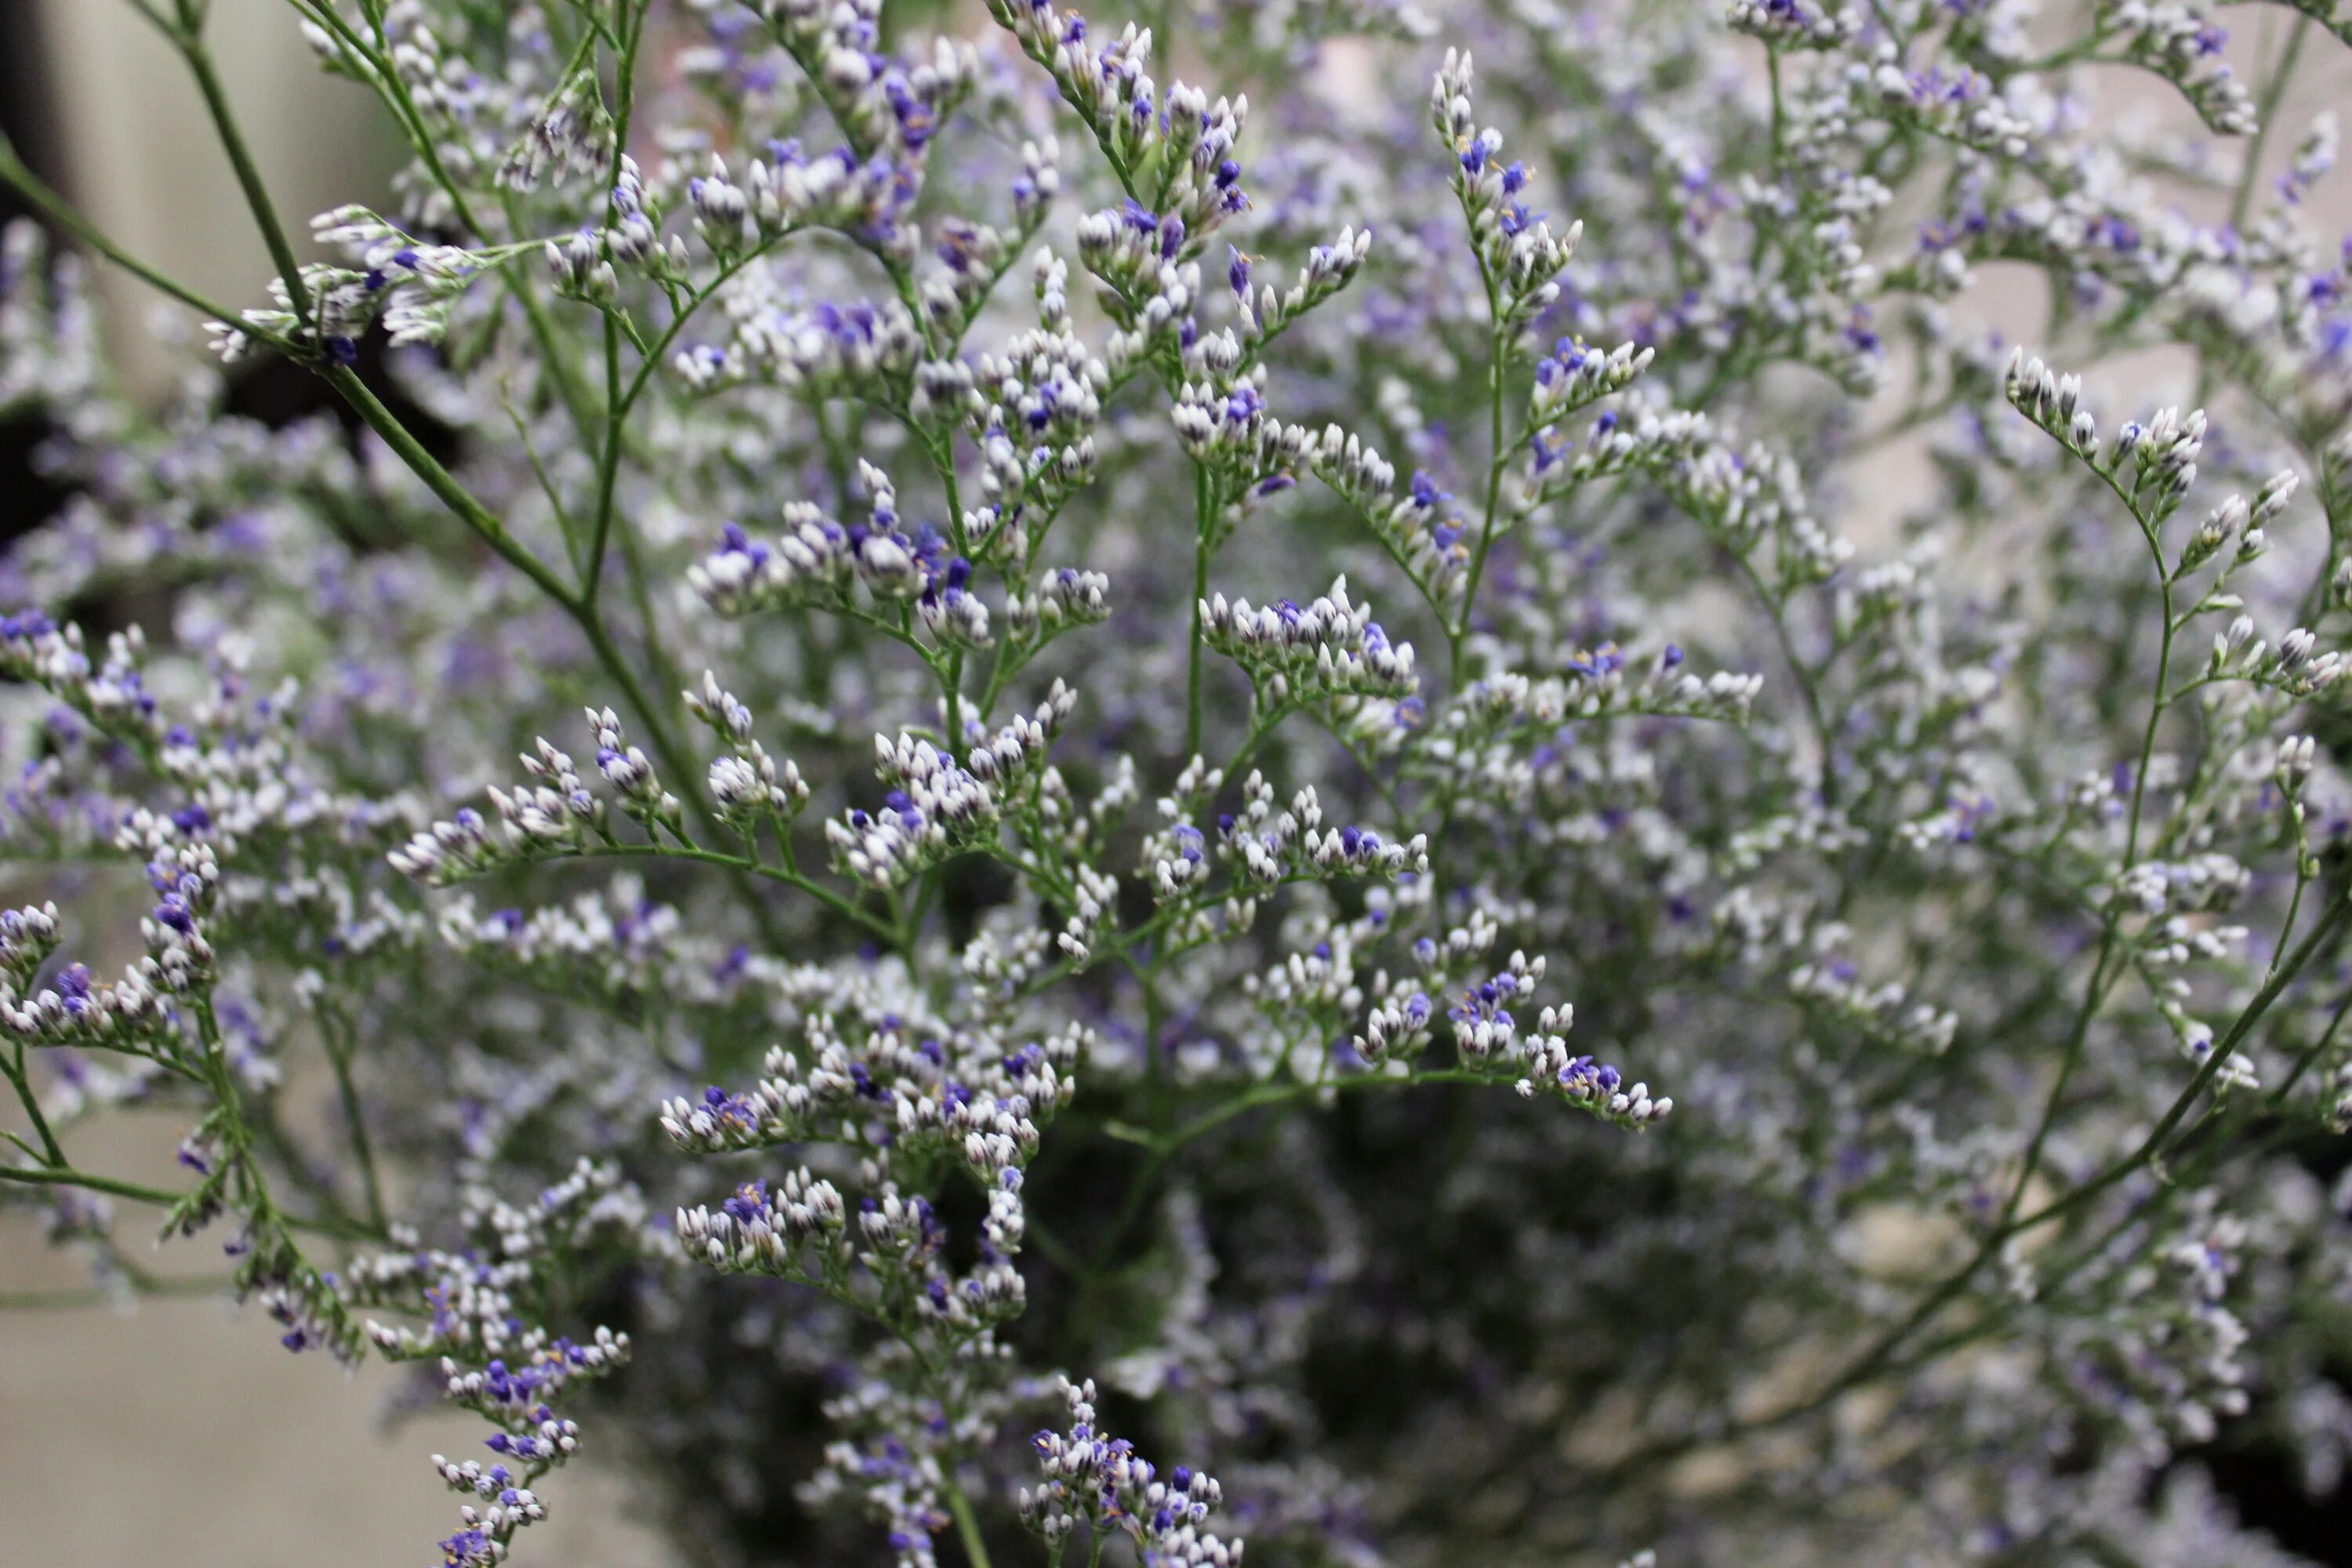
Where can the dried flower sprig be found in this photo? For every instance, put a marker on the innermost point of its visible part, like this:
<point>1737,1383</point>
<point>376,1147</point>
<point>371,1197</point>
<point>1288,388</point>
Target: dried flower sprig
<point>995,916</point>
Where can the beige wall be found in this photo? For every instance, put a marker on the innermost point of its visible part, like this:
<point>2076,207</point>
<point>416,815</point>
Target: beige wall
<point>133,163</point>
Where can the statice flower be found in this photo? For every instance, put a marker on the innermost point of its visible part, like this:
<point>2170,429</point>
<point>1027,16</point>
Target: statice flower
<point>778,849</point>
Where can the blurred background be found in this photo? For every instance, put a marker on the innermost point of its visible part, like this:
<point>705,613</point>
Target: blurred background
<point>185,1428</point>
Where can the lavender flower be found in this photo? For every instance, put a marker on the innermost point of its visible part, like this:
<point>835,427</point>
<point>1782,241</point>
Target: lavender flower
<point>1753,1009</point>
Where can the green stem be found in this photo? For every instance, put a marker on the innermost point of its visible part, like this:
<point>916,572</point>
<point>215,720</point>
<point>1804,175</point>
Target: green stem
<point>240,158</point>
<point>1203,547</point>
<point>2265,112</point>
<point>967,1526</point>
<point>615,410</point>
<point>68,1177</point>
<point>1880,1353</point>
<point>339,1055</point>
<point>841,906</point>
<point>1461,629</point>
<point>2102,979</point>
<point>19,1079</point>
<point>608,466</point>
<point>2150,1147</point>
<point>443,484</point>
<point>2312,1052</point>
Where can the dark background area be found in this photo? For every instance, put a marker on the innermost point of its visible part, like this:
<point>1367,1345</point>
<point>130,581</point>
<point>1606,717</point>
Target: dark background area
<point>28,119</point>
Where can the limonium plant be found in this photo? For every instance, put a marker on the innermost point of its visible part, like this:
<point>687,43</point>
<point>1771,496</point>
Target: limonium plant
<point>1012,788</point>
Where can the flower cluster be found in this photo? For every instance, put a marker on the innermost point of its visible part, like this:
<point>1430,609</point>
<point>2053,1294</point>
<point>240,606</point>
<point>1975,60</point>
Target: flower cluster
<point>1787,996</point>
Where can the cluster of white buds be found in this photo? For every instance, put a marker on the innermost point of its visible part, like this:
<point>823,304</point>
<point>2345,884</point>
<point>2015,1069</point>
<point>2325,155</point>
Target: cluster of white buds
<point>975,255</point>
<point>2223,523</point>
<point>1066,597</point>
<point>1186,138</point>
<point>2297,755</point>
<point>535,1370</point>
<point>1017,750</point>
<point>2234,520</point>
<point>1101,1479</point>
<point>1147,286</point>
<point>1647,437</point>
<point>1517,251</point>
<point>749,786</point>
<point>2180,939</point>
<point>1106,82</point>
<point>1267,846</point>
<point>1297,991</point>
<point>580,268</point>
<point>1331,647</point>
<point>891,105</point>
<point>1826,979</point>
<point>1548,1065</point>
<point>1749,498</point>
<point>1396,1026</point>
<point>763,1229</point>
<point>555,810</point>
<point>934,806</point>
<point>186,876</point>
<point>611,941</point>
<point>1094,895</point>
<point>2164,454</point>
<point>475,1303</point>
<point>1032,407</point>
<point>2180,43</point>
<point>816,560</point>
<point>2207,883</point>
<point>1221,419</point>
<point>1330,269</point>
<point>489,1481</point>
<point>1484,1025</point>
<point>776,1110</point>
<point>2296,666</point>
<point>556,813</point>
<point>1796,23</point>
<point>462,846</point>
<point>813,560</point>
<point>951,611</point>
<point>77,1010</point>
<point>634,236</point>
<point>631,772</point>
<point>1971,108</point>
<point>28,936</point>
<point>787,191</point>
<point>483,1534</point>
<point>552,1440</point>
<point>863,350</point>
<point>2052,400</point>
<point>1179,861</point>
<point>1419,527</point>
<point>112,693</point>
<point>1573,376</point>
